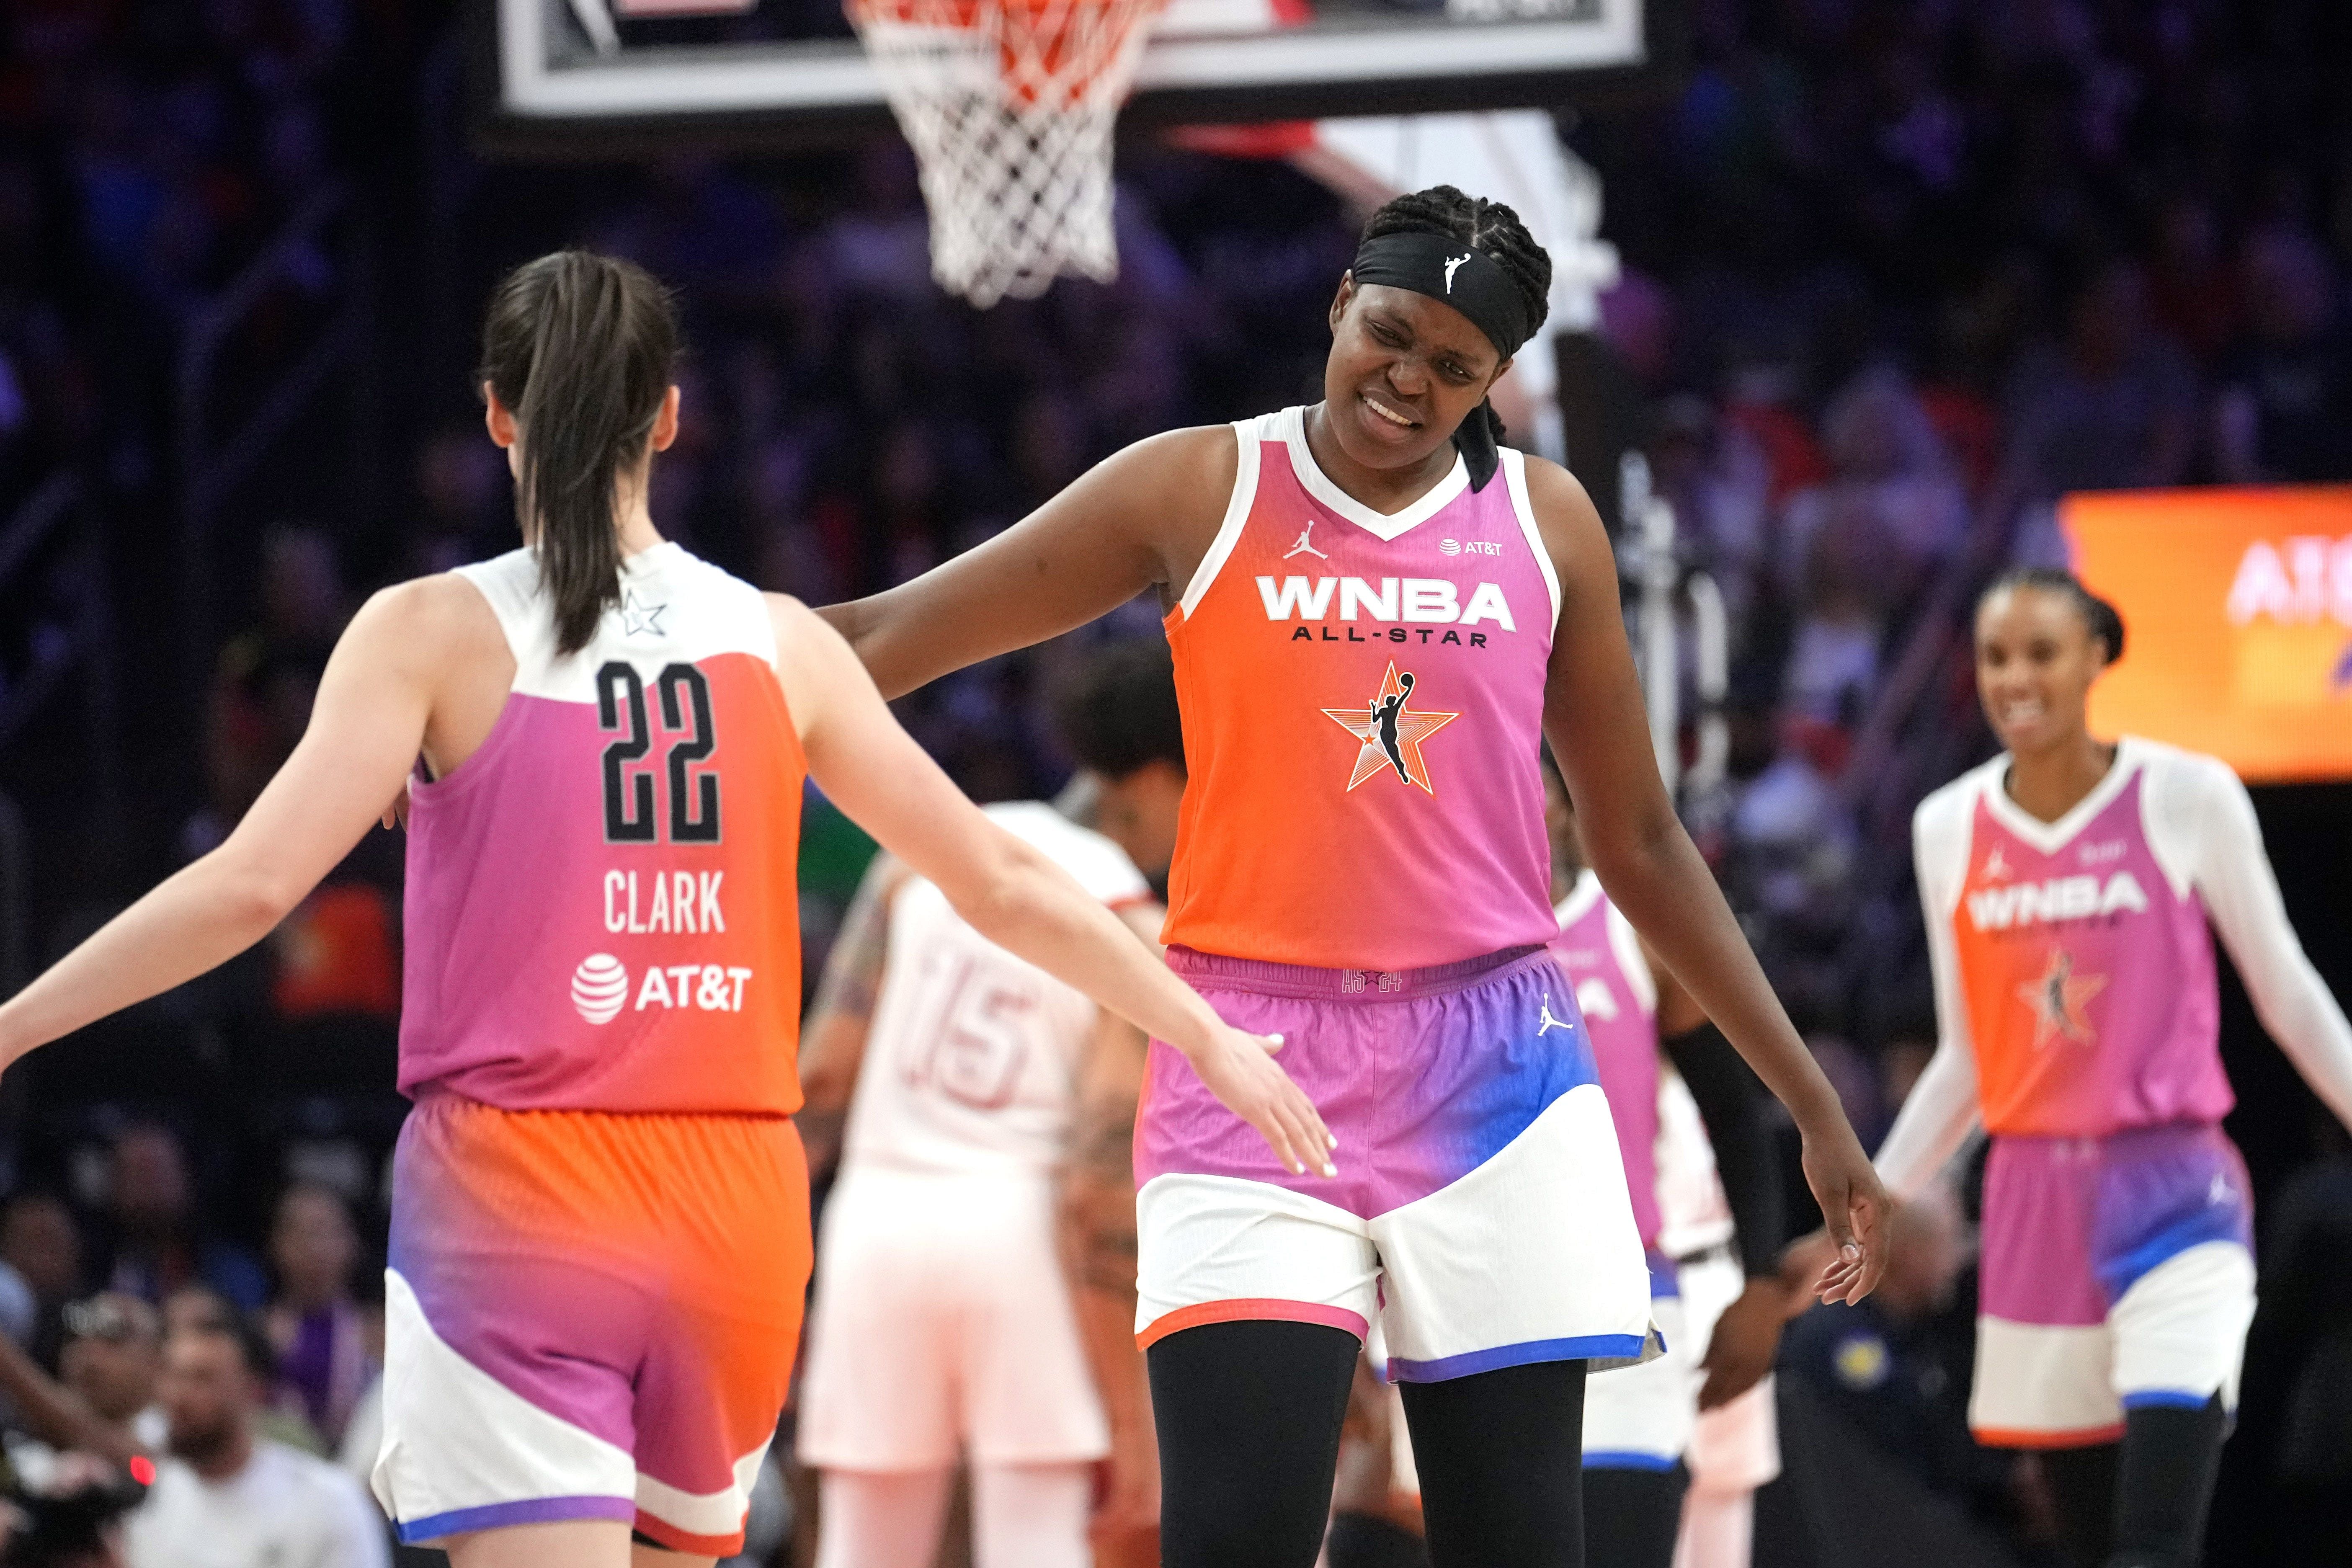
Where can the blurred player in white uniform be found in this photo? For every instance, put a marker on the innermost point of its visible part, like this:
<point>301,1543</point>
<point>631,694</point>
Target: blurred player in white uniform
<point>975,1270</point>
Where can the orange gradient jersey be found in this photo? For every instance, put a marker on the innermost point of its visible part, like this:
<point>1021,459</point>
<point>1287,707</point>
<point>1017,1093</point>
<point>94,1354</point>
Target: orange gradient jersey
<point>602,913</point>
<point>1363,703</point>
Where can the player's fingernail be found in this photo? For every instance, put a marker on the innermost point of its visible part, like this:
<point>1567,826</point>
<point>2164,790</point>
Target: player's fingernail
<point>1329,1169</point>
<point>1276,1038</point>
<point>1848,1251</point>
<point>1331,1140</point>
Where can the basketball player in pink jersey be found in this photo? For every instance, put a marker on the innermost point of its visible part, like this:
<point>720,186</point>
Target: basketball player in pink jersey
<point>1639,1423</point>
<point>1362,866</point>
<point>943,1324</point>
<point>2068,884</point>
<point>600,1213</point>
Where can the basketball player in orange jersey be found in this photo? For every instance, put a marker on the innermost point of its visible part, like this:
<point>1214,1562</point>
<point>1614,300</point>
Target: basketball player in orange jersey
<point>600,1213</point>
<point>1379,892</point>
<point>2069,886</point>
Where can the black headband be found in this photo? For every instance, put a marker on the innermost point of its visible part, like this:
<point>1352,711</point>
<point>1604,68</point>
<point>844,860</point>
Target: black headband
<point>1449,271</point>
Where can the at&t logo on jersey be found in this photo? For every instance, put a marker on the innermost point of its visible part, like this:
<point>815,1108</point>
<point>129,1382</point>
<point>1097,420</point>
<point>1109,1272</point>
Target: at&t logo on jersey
<point>1469,547</point>
<point>600,987</point>
<point>2055,899</point>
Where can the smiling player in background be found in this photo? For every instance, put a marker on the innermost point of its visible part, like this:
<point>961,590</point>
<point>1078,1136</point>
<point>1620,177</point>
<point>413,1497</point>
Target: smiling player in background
<point>2068,884</point>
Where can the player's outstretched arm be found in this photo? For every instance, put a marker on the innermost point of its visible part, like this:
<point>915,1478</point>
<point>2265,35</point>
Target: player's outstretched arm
<point>1131,521</point>
<point>366,727</point>
<point>1010,893</point>
<point>1600,733</point>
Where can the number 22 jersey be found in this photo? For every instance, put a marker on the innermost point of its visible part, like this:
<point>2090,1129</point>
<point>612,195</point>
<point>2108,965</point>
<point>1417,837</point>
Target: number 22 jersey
<point>602,905</point>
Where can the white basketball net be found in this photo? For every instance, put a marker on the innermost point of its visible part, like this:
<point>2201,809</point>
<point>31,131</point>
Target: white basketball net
<point>1010,106</point>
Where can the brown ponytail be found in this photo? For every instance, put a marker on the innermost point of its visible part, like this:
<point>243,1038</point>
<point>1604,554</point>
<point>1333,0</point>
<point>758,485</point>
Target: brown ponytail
<point>580,348</point>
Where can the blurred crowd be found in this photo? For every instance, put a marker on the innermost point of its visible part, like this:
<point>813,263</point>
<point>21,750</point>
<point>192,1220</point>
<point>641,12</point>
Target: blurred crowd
<point>1897,274</point>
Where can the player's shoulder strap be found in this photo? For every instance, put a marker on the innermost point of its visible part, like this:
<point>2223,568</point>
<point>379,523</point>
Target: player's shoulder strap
<point>1940,832</point>
<point>674,606</point>
<point>517,595</point>
<point>1625,944</point>
<point>1514,464</point>
<point>1250,436</point>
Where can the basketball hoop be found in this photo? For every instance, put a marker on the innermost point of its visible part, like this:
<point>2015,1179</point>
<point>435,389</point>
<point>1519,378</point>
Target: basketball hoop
<point>1010,106</point>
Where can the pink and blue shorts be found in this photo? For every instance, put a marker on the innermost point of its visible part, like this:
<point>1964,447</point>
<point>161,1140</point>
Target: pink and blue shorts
<point>1480,1208</point>
<point>2118,1272</point>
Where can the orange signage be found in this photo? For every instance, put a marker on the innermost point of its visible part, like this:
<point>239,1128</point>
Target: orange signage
<point>2237,608</point>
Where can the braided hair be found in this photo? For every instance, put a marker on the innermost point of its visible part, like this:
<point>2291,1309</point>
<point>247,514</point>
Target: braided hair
<point>2100,618</point>
<point>1495,231</point>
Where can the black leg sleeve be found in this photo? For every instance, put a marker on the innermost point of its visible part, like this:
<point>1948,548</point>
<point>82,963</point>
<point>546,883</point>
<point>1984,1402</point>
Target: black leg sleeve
<point>1632,1517</point>
<point>1501,1456</point>
<point>1736,1111</point>
<point>2164,1484</point>
<point>1249,1417</point>
<point>1360,1541</point>
<point>2083,1486</point>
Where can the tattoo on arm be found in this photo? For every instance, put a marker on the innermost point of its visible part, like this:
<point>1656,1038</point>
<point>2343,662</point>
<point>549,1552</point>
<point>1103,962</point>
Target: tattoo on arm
<point>1098,1173</point>
<point>1100,1190</point>
<point>852,971</point>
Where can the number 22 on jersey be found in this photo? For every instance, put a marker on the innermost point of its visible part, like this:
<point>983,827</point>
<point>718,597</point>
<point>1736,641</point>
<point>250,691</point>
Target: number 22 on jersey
<point>629,812</point>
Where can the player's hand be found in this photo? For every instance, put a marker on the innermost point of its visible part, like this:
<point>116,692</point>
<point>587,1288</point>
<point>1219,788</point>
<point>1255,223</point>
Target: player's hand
<point>1240,1071</point>
<point>1129,1510</point>
<point>1746,1340</point>
<point>1854,1206</point>
<point>1804,1261</point>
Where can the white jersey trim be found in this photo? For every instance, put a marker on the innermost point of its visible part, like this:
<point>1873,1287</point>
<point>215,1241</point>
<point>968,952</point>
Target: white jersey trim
<point>2050,837</point>
<point>1387,527</point>
<point>1625,943</point>
<point>1247,434</point>
<point>675,608</point>
<point>1580,900</point>
<point>1515,475</point>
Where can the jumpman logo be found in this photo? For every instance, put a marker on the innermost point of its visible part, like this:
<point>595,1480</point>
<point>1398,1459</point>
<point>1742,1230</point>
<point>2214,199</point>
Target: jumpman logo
<point>1450,265</point>
<point>1384,712</point>
<point>1306,545</point>
<point>1546,1023</point>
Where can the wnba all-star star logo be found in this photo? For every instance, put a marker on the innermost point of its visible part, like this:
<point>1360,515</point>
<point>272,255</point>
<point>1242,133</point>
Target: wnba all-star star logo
<point>2058,997</point>
<point>1390,732</point>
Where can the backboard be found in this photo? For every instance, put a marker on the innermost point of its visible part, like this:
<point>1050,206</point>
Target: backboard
<point>576,79</point>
